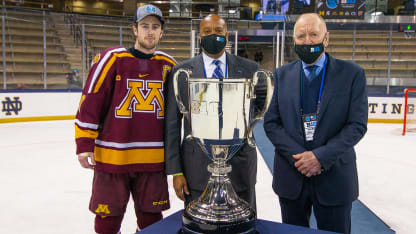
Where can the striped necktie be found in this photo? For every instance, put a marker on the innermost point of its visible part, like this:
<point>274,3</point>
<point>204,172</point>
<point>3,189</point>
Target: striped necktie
<point>217,72</point>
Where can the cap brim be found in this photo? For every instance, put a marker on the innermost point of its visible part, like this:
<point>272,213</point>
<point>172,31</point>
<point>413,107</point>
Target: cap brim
<point>161,19</point>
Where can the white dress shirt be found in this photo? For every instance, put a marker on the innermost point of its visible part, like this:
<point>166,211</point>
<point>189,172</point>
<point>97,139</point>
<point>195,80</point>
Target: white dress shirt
<point>210,67</point>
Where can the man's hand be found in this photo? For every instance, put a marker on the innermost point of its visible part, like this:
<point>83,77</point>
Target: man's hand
<point>307,164</point>
<point>83,160</point>
<point>181,187</point>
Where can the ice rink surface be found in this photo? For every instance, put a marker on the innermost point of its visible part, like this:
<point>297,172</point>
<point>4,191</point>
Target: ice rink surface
<point>45,190</point>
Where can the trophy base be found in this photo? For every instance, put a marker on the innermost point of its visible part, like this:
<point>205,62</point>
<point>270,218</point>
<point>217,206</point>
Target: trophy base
<point>192,225</point>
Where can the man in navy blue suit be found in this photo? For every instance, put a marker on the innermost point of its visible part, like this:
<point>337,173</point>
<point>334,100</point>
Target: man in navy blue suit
<point>319,111</point>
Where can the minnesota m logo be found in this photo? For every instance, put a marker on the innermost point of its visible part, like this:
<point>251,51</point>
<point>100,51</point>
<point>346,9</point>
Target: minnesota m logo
<point>102,208</point>
<point>9,105</point>
<point>143,96</point>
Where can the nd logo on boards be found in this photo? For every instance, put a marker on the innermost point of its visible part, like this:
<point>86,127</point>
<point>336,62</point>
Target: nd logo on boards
<point>11,106</point>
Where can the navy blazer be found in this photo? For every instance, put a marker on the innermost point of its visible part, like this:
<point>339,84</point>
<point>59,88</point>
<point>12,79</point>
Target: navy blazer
<point>342,122</point>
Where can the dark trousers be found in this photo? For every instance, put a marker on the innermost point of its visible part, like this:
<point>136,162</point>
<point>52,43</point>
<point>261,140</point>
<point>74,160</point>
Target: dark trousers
<point>248,195</point>
<point>329,218</point>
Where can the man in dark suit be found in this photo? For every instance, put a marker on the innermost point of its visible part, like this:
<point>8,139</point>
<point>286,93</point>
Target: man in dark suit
<point>318,113</point>
<point>184,159</point>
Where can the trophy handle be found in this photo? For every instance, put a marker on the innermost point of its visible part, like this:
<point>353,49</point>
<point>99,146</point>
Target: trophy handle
<point>181,106</point>
<point>260,115</point>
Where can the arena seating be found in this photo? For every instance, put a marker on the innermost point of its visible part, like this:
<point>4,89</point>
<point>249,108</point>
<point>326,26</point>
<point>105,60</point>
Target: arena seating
<point>372,51</point>
<point>104,34</point>
<point>24,46</point>
<point>24,51</point>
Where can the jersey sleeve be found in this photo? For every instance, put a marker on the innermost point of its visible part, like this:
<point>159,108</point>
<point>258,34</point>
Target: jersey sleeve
<point>95,100</point>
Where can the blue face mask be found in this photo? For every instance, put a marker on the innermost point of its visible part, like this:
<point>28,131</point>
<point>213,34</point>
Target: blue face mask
<point>213,44</point>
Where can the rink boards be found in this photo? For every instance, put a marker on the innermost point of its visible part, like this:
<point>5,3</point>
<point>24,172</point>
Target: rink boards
<point>57,105</point>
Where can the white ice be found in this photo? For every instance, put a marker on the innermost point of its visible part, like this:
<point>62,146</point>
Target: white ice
<point>45,190</point>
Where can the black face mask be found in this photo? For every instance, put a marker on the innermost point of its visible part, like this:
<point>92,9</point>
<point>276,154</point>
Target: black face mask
<point>309,53</point>
<point>213,44</point>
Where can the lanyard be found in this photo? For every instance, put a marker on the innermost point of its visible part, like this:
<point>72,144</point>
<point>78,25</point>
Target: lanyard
<point>226,69</point>
<point>320,89</point>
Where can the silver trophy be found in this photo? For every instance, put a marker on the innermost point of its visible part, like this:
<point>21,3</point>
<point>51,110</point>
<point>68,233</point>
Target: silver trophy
<point>222,117</point>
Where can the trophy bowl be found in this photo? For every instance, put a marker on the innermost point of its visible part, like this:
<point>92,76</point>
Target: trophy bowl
<point>221,114</point>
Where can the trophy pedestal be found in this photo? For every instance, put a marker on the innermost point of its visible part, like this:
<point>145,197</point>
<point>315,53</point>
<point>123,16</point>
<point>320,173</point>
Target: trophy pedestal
<point>218,209</point>
<point>221,118</point>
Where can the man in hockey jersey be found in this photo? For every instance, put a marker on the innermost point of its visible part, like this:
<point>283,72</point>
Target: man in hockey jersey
<point>119,127</point>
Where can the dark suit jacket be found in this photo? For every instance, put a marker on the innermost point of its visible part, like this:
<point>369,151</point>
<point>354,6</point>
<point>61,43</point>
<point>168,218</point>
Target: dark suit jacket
<point>342,122</point>
<point>187,156</point>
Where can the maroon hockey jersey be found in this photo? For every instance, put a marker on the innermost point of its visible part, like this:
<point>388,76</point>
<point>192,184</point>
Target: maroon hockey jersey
<point>121,112</point>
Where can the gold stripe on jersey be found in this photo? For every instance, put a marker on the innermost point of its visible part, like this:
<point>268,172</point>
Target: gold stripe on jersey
<point>80,102</point>
<point>126,157</point>
<point>79,133</point>
<point>166,69</point>
<point>161,57</point>
<point>108,66</point>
